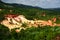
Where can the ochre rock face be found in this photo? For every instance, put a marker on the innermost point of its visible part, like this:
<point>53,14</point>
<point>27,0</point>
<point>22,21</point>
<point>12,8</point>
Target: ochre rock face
<point>54,19</point>
<point>10,26</point>
<point>10,15</point>
<point>17,21</point>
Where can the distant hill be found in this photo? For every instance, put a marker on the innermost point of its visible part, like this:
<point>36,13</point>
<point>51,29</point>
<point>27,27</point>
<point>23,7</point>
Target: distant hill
<point>29,12</point>
<point>16,5</point>
<point>55,9</point>
<point>26,8</point>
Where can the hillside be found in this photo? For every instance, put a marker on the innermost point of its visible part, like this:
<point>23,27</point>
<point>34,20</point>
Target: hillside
<point>28,11</point>
<point>32,14</point>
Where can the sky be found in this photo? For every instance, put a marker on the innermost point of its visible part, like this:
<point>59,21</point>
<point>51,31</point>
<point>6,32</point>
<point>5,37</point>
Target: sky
<point>38,3</point>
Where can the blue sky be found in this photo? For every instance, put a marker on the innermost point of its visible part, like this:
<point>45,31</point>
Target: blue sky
<point>39,3</point>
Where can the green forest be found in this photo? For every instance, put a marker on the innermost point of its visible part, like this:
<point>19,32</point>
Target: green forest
<point>31,13</point>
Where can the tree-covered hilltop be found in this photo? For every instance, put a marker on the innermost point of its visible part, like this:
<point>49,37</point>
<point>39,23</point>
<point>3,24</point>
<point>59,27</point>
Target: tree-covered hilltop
<point>28,11</point>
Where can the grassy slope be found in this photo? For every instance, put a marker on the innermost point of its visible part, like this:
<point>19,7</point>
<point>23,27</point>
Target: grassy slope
<point>40,33</point>
<point>45,33</point>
